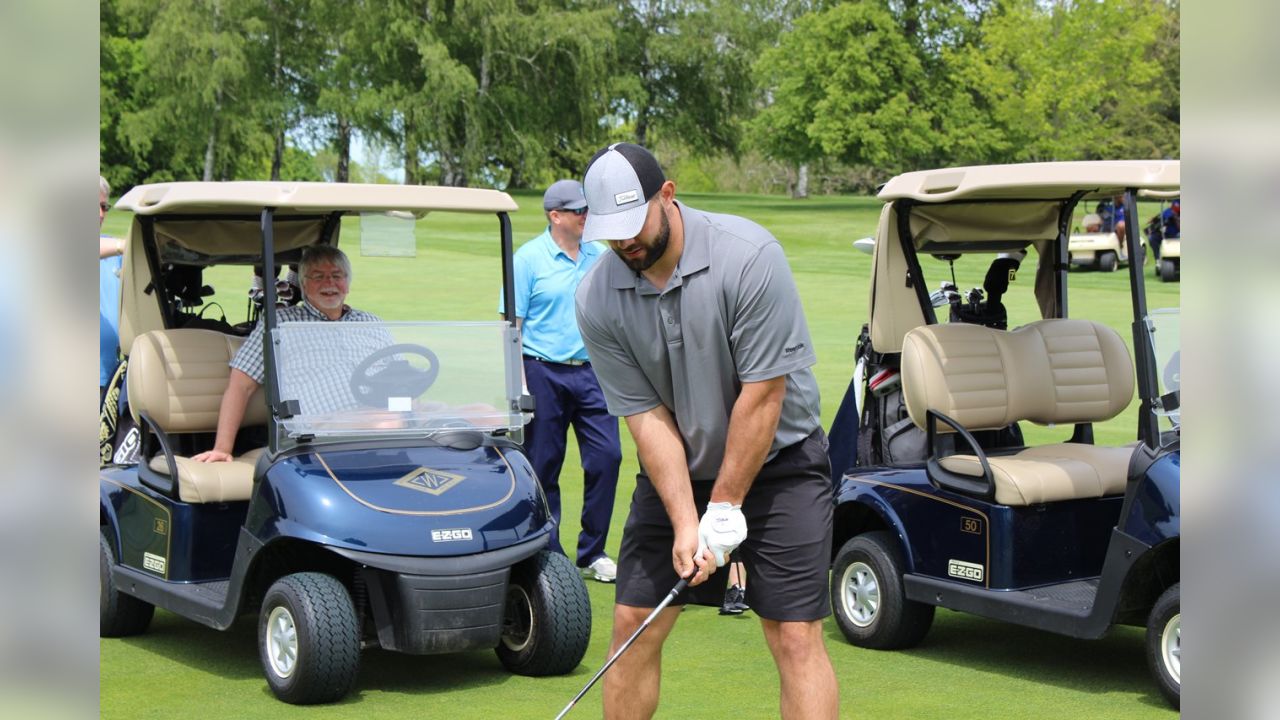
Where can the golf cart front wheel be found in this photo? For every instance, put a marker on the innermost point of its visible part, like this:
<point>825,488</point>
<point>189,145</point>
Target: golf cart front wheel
<point>308,639</point>
<point>1164,644</point>
<point>870,603</point>
<point>547,622</point>
<point>119,615</point>
<point>1168,271</point>
<point>1108,262</point>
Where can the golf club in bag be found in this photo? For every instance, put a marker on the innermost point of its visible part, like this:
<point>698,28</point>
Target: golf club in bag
<point>679,587</point>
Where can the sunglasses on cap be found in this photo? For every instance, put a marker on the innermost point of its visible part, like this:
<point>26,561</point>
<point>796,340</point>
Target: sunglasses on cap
<point>580,211</point>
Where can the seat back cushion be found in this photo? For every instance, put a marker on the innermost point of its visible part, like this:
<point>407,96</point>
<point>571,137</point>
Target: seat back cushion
<point>1050,371</point>
<point>178,378</point>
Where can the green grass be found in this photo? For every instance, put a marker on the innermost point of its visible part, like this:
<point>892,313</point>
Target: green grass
<point>714,666</point>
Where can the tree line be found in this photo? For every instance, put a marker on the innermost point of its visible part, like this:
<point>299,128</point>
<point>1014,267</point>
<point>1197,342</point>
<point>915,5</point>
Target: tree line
<point>739,95</point>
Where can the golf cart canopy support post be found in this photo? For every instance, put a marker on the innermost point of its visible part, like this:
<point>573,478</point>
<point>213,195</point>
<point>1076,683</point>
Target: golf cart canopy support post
<point>1148,424</point>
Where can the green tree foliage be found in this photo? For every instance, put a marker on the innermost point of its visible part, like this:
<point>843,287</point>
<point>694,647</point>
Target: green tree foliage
<point>683,68</point>
<point>844,83</point>
<point>1071,80</point>
<point>200,89</point>
<point>516,93</point>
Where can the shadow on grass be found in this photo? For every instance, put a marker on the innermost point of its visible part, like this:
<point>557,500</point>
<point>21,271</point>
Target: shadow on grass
<point>1114,664</point>
<point>233,655</point>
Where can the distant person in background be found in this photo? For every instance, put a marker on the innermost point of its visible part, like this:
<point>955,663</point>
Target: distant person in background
<point>1168,224</point>
<point>110,261</point>
<point>558,374</point>
<point>735,597</point>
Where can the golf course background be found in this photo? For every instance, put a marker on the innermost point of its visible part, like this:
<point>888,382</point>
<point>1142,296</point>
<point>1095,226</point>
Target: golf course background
<point>714,667</point>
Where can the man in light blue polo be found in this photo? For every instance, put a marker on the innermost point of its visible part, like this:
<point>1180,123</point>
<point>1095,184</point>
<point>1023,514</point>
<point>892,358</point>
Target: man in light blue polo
<point>548,269</point>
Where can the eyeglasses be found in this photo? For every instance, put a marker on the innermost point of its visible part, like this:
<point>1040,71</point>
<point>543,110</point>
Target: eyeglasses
<point>104,206</point>
<point>579,212</point>
<point>321,277</point>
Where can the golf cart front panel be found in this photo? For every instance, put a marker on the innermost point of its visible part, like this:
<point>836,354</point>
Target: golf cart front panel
<point>415,501</point>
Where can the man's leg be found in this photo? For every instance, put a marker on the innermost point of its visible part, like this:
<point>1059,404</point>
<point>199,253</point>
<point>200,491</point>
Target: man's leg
<point>808,681</point>
<point>544,437</point>
<point>631,686</point>
<point>601,450</point>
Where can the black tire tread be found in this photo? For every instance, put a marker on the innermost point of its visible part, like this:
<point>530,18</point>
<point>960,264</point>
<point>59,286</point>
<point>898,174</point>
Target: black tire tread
<point>900,623</point>
<point>120,615</point>
<point>1168,605</point>
<point>328,638</point>
<point>562,617</point>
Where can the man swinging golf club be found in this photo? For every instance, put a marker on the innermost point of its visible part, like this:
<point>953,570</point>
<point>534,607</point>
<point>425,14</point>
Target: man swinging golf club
<point>699,341</point>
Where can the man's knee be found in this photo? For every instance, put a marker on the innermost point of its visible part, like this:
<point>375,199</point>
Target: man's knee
<point>794,640</point>
<point>602,461</point>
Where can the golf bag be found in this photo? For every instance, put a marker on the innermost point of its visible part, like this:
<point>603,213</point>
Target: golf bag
<point>886,434</point>
<point>118,435</point>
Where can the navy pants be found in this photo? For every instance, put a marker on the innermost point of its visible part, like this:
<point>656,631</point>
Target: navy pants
<point>570,395</point>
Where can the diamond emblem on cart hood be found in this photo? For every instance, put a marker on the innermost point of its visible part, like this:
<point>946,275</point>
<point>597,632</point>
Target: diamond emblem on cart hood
<point>431,481</point>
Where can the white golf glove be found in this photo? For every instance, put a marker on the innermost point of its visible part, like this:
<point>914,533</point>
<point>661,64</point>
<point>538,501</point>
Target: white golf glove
<point>721,530</point>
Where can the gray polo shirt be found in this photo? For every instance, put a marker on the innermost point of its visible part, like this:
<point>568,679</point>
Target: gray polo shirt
<point>730,314</point>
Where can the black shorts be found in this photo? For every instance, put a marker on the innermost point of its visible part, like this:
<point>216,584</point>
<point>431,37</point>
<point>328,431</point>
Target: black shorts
<point>787,552</point>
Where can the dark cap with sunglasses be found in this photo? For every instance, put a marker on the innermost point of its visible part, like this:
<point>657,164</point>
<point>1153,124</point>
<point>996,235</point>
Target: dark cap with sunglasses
<point>565,195</point>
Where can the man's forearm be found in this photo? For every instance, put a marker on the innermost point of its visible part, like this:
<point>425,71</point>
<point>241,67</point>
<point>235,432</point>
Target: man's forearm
<point>662,454</point>
<point>231,412</point>
<point>752,425</point>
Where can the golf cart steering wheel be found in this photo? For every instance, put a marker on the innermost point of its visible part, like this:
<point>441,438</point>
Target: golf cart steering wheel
<point>397,379</point>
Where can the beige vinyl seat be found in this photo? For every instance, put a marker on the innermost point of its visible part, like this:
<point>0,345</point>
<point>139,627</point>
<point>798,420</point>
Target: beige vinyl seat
<point>1060,371</point>
<point>177,377</point>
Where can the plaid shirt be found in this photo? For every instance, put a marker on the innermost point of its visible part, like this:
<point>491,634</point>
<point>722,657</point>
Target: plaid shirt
<point>318,367</point>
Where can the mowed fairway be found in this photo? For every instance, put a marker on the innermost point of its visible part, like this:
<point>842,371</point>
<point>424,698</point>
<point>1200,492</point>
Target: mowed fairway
<point>714,667</point>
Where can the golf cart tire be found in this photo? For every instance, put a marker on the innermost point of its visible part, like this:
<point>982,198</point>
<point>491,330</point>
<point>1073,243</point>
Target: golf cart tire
<point>1108,262</point>
<point>547,622</point>
<point>120,615</point>
<point>1168,271</point>
<point>312,612</point>
<point>872,563</point>
<point>1164,640</point>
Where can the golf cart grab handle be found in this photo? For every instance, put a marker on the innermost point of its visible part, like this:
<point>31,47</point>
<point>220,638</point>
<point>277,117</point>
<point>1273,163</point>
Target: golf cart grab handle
<point>984,486</point>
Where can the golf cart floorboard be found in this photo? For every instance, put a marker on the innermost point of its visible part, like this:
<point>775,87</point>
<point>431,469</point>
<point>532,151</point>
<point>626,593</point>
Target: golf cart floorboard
<point>1063,608</point>
<point>200,601</point>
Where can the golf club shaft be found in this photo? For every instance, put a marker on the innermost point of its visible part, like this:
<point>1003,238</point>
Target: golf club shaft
<point>680,586</point>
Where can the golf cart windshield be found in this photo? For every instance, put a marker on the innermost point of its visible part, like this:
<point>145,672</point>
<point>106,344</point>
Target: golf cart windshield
<point>1166,341</point>
<point>344,379</point>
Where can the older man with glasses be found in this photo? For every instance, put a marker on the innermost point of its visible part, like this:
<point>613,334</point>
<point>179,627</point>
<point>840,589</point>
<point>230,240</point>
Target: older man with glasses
<point>558,374</point>
<point>326,279</point>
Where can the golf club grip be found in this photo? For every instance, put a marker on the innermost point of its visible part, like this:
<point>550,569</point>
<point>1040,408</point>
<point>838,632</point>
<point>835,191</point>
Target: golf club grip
<point>679,588</point>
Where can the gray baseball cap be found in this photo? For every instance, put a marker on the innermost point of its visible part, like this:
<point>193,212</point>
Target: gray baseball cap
<point>564,195</point>
<point>620,181</point>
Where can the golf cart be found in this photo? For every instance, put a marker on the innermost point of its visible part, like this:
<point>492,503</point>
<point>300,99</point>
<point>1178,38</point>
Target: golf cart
<point>1165,237</point>
<point>943,497</point>
<point>378,496</point>
<point>1097,249</point>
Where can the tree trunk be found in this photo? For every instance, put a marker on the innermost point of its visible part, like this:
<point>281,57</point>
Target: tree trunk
<point>209,153</point>
<point>343,143</point>
<point>277,86</point>
<point>802,182</point>
<point>411,171</point>
<point>277,157</point>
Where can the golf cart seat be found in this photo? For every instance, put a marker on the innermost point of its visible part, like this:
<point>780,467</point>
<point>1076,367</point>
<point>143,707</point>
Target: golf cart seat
<point>176,381</point>
<point>1059,371</point>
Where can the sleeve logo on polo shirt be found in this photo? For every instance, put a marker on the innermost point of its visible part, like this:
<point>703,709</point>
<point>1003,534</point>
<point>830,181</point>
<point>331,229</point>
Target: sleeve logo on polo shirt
<point>793,349</point>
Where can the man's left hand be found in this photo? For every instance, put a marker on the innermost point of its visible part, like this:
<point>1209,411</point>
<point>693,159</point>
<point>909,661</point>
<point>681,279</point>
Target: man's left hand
<point>722,530</point>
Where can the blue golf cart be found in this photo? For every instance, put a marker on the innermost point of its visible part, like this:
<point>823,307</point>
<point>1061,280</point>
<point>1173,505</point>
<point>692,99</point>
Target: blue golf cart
<point>968,476</point>
<point>378,496</point>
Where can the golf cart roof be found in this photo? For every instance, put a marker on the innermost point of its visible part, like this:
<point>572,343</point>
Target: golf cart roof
<point>1034,181</point>
<point>290,198</point>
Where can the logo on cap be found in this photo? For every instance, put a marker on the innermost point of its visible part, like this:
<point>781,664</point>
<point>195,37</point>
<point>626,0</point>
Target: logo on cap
<point>625,197</point>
